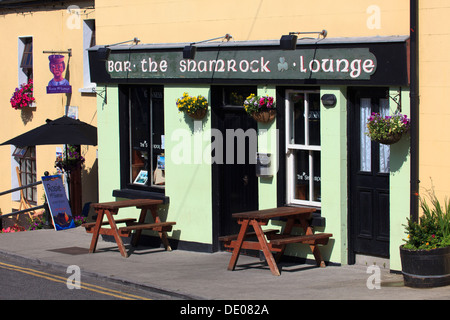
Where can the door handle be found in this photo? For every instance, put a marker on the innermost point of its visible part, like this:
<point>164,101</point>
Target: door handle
<point>245,179</point>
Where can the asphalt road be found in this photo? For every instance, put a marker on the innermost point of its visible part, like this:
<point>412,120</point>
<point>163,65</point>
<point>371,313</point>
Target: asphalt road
<point>23,280</point>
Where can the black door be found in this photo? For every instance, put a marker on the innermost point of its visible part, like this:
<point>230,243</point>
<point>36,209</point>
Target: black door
<point>235,185</point>
<point>369,177</point>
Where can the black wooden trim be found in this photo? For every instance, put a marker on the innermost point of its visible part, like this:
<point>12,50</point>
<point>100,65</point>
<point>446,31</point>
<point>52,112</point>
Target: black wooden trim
<point>124,143</point>
<point>139,194</point>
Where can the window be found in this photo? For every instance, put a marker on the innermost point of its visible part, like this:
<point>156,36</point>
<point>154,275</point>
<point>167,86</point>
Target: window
<point>25,59</point>
<point>26,157</point>
<point>88,41</point>
<point>142,138</point>
<point>303,147</point>
<point>235,95</point>
<point>367,107</point>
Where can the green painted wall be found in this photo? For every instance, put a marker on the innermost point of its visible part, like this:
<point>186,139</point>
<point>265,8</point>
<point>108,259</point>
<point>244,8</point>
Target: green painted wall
<point>334,164</point>
<point>188,176</point>
<point>400,164</point>
<point>108,141</point>
<point>267,143</point>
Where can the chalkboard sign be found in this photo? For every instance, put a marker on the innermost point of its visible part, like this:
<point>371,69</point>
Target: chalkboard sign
<point>57,202</point>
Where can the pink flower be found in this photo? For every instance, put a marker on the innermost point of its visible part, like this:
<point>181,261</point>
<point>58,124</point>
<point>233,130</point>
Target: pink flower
<point>22,96</point>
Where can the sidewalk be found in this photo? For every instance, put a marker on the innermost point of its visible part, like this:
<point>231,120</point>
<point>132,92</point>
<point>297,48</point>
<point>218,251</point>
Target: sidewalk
<point>193,275</point>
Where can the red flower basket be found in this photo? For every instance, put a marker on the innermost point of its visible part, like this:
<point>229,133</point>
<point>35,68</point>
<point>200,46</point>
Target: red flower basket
<point>23,96</point>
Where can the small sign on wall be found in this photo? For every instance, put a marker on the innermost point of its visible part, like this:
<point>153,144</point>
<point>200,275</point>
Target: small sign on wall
<point>58,84</point>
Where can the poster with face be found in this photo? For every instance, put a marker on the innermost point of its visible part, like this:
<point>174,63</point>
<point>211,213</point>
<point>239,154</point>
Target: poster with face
<point>57,67</point>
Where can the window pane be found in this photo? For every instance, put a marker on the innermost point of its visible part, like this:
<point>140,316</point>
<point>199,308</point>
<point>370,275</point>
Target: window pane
<point>27,56</point>
<point>139,128</point>
<point>365,142</point>
<point>297,131</point>
<point>316,176</point>
<point>301,164</point>
<point>28,173</point>
<point>384,149</point>
<point>314,119</point>
<point>307,165</point>
<point>146,129</point>
<point>236,95</point>
<point>34,194</point>
<point>158,156</point>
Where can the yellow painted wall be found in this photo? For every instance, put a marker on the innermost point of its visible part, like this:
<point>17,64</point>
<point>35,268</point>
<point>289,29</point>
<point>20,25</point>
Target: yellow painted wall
<point>50,31</point>
<point>163,21</point>
<point>434,70</point>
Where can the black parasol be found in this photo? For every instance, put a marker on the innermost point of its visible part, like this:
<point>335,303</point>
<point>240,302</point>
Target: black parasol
<point>64,130</point>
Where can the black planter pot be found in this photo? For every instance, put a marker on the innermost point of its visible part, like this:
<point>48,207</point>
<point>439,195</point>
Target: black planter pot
<point>426,268</point>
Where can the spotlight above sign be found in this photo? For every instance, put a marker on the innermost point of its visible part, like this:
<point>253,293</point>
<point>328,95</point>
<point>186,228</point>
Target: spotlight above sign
<point>103,52</point>
<point>289,42</point>
<point>189,51</point>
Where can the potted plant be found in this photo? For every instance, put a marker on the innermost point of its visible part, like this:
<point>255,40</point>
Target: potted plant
<point>262,109</point>
<point>425,256</point>
<point>388,129</point>
<point>23,96</point>
<point>195,107</point>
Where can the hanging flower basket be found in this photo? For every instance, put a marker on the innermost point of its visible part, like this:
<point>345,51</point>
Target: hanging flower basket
<point>262,109</point>
<point>198,114</point>
<point>195,107</point>
<point>264,116</point>
<point>72,159</point>
<point>391,139</point>
<point>389,129</point>
<point>23,96</point>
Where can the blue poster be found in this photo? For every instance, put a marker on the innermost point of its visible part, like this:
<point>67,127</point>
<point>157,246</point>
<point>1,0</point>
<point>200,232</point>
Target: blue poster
<point>57,202</point>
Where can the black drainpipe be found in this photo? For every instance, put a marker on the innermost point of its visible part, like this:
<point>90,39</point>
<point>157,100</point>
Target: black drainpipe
<point>414,100</point>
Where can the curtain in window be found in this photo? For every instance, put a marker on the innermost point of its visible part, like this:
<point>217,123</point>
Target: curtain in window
<point>365,142</point>
<point>384,149</point>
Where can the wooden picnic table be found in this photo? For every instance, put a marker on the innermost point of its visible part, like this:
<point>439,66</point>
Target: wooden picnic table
<point>277,242</point>
<point>111,208</point>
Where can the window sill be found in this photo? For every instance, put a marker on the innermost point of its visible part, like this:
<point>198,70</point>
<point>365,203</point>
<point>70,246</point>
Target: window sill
<point>139,194</point>
<point>87,90</point>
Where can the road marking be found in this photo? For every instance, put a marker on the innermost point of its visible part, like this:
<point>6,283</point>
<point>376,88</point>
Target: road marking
<point>86,286</point>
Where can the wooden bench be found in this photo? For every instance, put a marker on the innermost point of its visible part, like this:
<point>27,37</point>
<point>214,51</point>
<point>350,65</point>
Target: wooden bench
<point>161,226</point>
<point>227,239</point>
<point>312,239</point>
<point>90,225</point>
<point>111,208</point>
<point>295,216</point>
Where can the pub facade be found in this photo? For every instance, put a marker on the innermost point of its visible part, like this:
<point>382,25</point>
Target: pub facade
<point>315,152</point>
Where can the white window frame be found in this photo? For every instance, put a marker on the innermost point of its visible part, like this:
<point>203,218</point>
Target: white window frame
<point>88,31</point>
<point>290,150</point>
<point>22,76</point>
